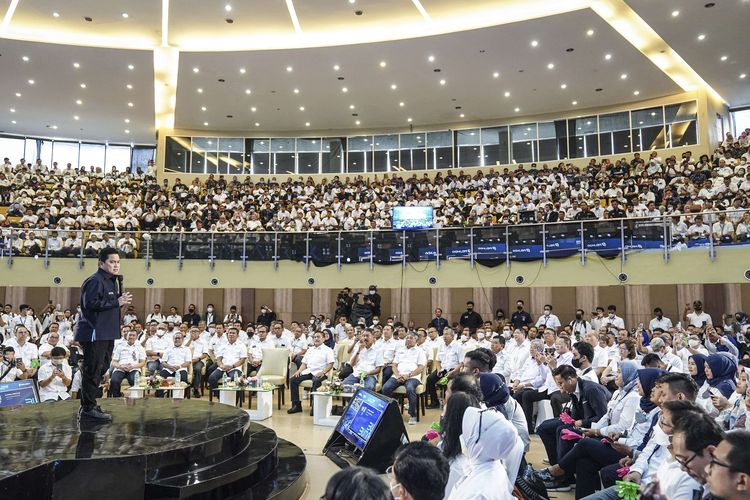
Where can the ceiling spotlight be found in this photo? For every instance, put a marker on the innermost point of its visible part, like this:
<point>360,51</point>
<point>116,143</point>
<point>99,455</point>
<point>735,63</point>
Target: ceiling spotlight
<point>408,120</point>
<point>196,69</point>
<point>228,8</point>
<point>462,115</point>
<point>289,69</point>
<point>55,14</point>
<point>296,91</point>
<point>130,104</point>
<point>243,71</point>
<point>382,64</point>
<point>701,37</point>
<point>517,110</point>
<point>675,13</point>
<point>495,75</point>
<point>76,65</point>
<point>54,127</point>
<point>393,86</point>
<point>336,67</point>
<point>131,67</point>
<point>75,117</point>
<point>125,15</point>
<point>590,32</point>
<point>127,120</point>
<point>507,94</point>
<point>431,58</point>
<point>205,124</point>
<point>18,94</point>
<point>357,122</point>
<point>301,108</point>
<point>550,66</point>
<point>344,90</point>
<point>401,104</point>
<point>83,85</point>
<point>351,106</point>
<point>636,92</point>
<point>253,109</point>
<point>79,102</point>
<point>12,110</point>
<point>724,58</point>
<point>743,76</point>
<point>13,122</point>
<point>203,108</point>
<point>607,57</point>
<point>534,43</point>
<point>257,124</point>
<point>442,82</point>
<point>25,58</point>
<point>574,103</point>
<point>248,91</point>
<point>564,86</point>
<point>307,124</point>
<point>31,82</point>
<point>623,76</point>
<point>129,86</point>
<point>200,90</point>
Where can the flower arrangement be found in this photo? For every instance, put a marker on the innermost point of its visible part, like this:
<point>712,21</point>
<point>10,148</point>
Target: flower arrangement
<point>154,381</point>
<point>335,386</point>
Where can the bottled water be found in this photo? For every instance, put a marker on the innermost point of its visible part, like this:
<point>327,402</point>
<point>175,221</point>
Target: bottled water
<point>137,378</point>
<point>224,379</point>
<point>177,378</point>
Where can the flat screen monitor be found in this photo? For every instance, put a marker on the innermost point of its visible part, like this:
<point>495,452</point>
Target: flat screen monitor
<point>18,392</point>
<point>361,418</point>
<point>412,218</point>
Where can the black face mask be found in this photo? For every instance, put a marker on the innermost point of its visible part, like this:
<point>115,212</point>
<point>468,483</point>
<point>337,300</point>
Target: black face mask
<point>578,317</point>
<point>192,310</point>
<point>576,363</point>
<point>520,308</point>
<point>469,309</point>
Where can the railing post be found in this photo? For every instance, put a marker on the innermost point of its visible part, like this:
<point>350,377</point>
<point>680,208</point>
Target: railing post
<point>711,246</point>
<point>471,247</point>
<point>46,249</point>
<point>80,257</point>
<point>179,251</point>
<point>338,250</point>
<point>622,241</point>
<point>372,250</point>
<point>211,255</point>
<point>507,246</point>
<point>275,257</point>
<point>544,245</point>
<point>667,239</point>
<point>244,251</point>
<point>437,248</point>
<point>10,249</point>
<point>403,249</point>
<point>307,250</point>
<point>583,246</point>
<point>148,249</point>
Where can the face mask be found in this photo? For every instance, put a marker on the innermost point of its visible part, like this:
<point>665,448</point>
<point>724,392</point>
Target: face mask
<point>520,308</point>
<point>210,309</point>
<point>372,292</point>
<point>78,308</point>
<point>212,330</point>
<point>160,332</point>
<point>464,338</point>
<point>375,322</point>
<point>191,310</point>
<point>694,343</point>
<point>611,315</point>
<point>578,317</point>
<point>660,437</point>
<point>576,363</point>
<point>263,311</point>
<point>469,309</point>
<point>546,313</point>
<point>312,321</point>
<point>480,336</point>
<point>506,333</point>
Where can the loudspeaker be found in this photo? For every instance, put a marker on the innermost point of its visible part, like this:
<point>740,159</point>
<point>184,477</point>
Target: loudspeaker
<point>747,274</point>
<point>214,281</point>
<point>149,281</point>
<point>622,277</point>
<point>311,281</point>
<point>57,280</point>
<point>378,452</point>
<point>432,280</point>
<point>520,279</point>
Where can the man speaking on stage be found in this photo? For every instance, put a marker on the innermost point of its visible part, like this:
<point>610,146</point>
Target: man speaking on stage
<point>98,327</point>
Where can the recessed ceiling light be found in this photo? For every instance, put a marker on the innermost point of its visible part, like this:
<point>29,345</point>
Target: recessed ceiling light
<point>431,58</point>
<point>31,82</point>
<point>507,94</point>
<point>351,106</point>
<point>495,75</point>
<point>203,108</point>
<point>205,124</point>
<point>18,94</point>
<point>344,89</point>
<point>83,85</point>
<point>75,117</point>
<point>79,102</point>
<point>289,69</point>
<point>357,122</point>
<point>564,86</point>
<point>12,110</point>
<point>200,90</point>
<point>574,103</point>
<point>534,43</point>
<point>401,104</point>
<point>131,67</point>
<point>307,124</point>
<point>13,122</point>
<point>394,86</point>
<point>127,120</point>
<point>336,67</point>
<point>517,110</point>
<point>196,69</point>
<point>675,13</point>
<point>228,8</point>
<point>636,92</point>
<point>382,64</point>
<point>590,32</point>
<point>623,76</point>
<point>243,71</point>
<point>248,91</point>
<point>550,66</point>
<point>701,37</point>
<point>257,124</point>
<point>129,86</point>
<point>125,15</point>
<point>301,108</point>
<point>76,65</point>
<point>743,75</point>
<point>253,109</point>
<point>724,58</point>
<point>442,82</point>
<point>462,115</point>
<point>408,120</point>
<point>130,104</point>
<point>54,127</point>
<point>607,57</point>
<point>55,14</point>
<point>25,58</point>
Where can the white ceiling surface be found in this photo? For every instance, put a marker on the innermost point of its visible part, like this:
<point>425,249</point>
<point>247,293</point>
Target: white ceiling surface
<point>51,100</point>
<point>725,26</point>
<point>467,72</point>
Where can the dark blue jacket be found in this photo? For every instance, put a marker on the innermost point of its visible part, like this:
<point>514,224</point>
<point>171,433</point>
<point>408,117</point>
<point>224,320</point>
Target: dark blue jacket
<point>100,310</point>
<point>592,404</point>
<point>439,324</point>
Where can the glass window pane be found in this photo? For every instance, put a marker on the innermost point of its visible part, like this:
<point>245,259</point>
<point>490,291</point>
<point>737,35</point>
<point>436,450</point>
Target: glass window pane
<point>204,159</point>
<point>553,140</point>
<point>648,129</point>
<point>359,156</point>
<point>63,153</point>
<point>683,134</point>
<point>682,112</point>
<point>468,149</point>
<point>413,151</point>
<point>283,157</point>
<point>309,155</point>
<point>230,155</point>
<point>523,142</point>
<point>495,146</point>
<point>13,148</point>
<point>385,156</point>
<point>258,162</point>
<point>614,133</point>
<point>439,150</point>
<point>582,137</point>
<point>92,155</point>
<point>116,156</point>
<point>42,150</point>
<point>333,155</point>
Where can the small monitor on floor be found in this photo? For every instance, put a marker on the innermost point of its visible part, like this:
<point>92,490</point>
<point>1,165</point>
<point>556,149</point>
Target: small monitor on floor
<point>18,393</point>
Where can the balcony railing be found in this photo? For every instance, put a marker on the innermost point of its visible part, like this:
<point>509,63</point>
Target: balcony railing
<point>485,245</point>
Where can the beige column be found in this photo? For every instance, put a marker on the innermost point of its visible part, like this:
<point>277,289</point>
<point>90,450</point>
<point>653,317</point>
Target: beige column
<point>540,295</point>
<point>483,300</point>
<point>233,297</point>
<point>733,298</point>
<point>587,298</point>
<point>282,304</point>
<point>401,304</point>
<point>194,296</point>
<point>59,295</point>
<point>637,305</point>
<point>15,295</point>
<point>154,296</point>
<point>321,301</point>
<point>686,294</point>
<point>441,297</point>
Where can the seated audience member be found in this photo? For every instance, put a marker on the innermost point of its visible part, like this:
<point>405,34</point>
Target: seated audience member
<point>588,404</point>
<point>127,359</point>
<point>356,483</point>
<point>365,361</point>
<point>407,367</point>
<point>419,472</point>
<point>156,344</point>
<point>316,364</point>
<point>733,410</point>
<point>671,361</point>
<point>11,370</point>
<point>583,354</point>
<point>728,471</point>
<point>199,351</point>
<point>532,386</point>
<point>490,443</point>
<point>720,371</point>
<point>52,341</point>
<point>230,359</point>
<point>177,358</point>
<point>451,429</point>
<point>502,365</point>
<point>24,350</point>
<point>625,351</point>
<point>448,363</point>
<point>55,377</point>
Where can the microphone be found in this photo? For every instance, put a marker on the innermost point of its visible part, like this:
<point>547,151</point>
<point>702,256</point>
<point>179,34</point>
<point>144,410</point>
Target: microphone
<point>119,285</point>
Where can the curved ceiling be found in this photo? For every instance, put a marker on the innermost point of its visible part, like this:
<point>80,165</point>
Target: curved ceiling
<point>178,47</point>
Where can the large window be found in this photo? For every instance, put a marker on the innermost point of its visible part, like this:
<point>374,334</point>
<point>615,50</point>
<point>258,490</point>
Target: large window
<point>92,155</point>
<point>553,140</point>
<point>583,140</point>
<point>308,151</point>
<point>385,156</point>
<point>413,152</point>
<point>468,145</point>
<point>333,154</point>
<point>495,146</point>
<point>230,155</point>
<point>257,151</point>
<point>439,150</point>
<point>614,133</point>
<point>177,155</point>
<point>648,129</point>
<point>282,153</point>
<point>359,157</point>
<point>681,124</point>
<point>13,149</point>
<point>523,143</point>
<point>204,158</point>
<point>115,156</point>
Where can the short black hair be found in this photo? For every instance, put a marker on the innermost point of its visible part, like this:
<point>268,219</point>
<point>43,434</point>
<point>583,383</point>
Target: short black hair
<point>700,430</point>
<point>469,302</point>
<point>479,359</point>
<point>651,360</point>
<point>466,383</point>
<point>565,372</point>
<point>611,307</point>
<point>657,310</point>
<point>584,349</point>
<point>104,253</point>
<point>739,456</point>
<point>680,383</point>
<point>521,301</point>
<point>357,482</point>
<point>57,351</point>
<point>500,339</point>
<point>422,470</point>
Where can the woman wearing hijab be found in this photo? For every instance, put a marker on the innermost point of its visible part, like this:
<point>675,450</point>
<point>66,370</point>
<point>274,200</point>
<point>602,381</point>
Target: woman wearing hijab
<point>590,454</point>
<point>720,371</point>
<point>697,368</point>
<point>495,394</point>
<point>490,441</point>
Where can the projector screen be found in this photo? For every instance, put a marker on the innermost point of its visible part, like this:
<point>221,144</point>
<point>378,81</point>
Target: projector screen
<point>412,218</point>
<point>362,417</point>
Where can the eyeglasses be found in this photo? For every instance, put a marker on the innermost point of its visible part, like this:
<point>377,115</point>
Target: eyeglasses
<point>684,463</point>
<point>720,464</point>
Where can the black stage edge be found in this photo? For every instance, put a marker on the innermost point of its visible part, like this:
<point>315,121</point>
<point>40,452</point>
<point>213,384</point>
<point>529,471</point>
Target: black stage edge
<point>154,449</point>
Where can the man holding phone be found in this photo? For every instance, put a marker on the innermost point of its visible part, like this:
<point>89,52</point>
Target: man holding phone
<point>98,327</point>
<point>55,377</point>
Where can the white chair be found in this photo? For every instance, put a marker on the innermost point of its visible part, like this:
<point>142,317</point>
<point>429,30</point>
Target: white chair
<point>421,391</point>
<point>274,370</point>
<point>543,412</point>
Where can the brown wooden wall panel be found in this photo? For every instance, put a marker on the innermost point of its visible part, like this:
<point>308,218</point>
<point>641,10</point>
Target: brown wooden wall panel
<point>500,299</point>
<point>745,292</point>
<point>37,297</point>
<point>2,294</point>
<point>637,305</point>
<point>248,304</point>
<point>665,296</point>
<point>385,303</point>
<point>139,302</point>
<point>173,297</point>
<point>421,305</point>
<point>733,297</point>
<point>613,295</point>
<point>459,296</point>
<point>564,299</point>
<point>214,296</point>
<point>302,304</point>
<point>714,301</point>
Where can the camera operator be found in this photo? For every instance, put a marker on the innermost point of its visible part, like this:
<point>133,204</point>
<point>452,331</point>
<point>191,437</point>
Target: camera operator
<point>11,368</point>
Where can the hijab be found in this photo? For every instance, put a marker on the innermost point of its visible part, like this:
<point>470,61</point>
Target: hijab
<point>723,370</point>
<point>494,391</point>
<point>647,377</point>
<point>700,365</point>
<point>629,371</point>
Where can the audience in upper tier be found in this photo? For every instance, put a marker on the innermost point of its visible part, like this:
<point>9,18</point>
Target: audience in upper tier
<point>606,402</point>
<point>68,199</point>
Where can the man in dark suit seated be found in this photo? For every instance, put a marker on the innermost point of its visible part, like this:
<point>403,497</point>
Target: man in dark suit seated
<point>588,404</point>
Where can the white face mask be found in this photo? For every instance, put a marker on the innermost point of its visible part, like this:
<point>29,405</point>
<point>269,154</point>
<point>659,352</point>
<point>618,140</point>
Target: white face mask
<point>312,321</point>
<point>372,292</point>
<point>464,338</point>
<point>693,343</point>
<point>480,336</point>
<point>210,309</point>
<point>547,313</point>
<point>160,332</point>
<point>375,322</point>
<point>211,330</point>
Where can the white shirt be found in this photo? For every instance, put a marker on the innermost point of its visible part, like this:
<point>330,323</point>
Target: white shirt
<point>174,318</point>
<point>13,372</point>
<point>388,348</point>
<point>620,414</point>
<point>664,323</point>
<point>698,319</point>
<point>159,318</point>
<point>551,321</point>
<point>502,367</point>
<point>56,389</point>
<point>407,360</point>
<point>614,321</point>
<point>47,348</point>
<point>158,344</point>
<point>601,357</point>
<point>299,345</point>
<point>199,348</point>
<point>232,353</point>
<point>26,353</point>
<point>216,343</point>
<point>126,354</point>
<point>176,356</point>
<point>367,360</point>
<point>450,356</point>
<point>279,342</point>
<point>317,358</point>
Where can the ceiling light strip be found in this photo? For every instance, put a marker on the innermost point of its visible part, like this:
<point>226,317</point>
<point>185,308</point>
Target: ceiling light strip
<point>9,14</point>
<point>165,23</point>
<point>644,38</point>
<point>421,9</point>
<point>293,15</point>
<point>166,65</point>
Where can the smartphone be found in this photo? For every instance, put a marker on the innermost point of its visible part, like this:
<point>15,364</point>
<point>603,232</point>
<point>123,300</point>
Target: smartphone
<point>549,350</point>
<point>715,392</point>
<point>704,324</point>
<point>19,362</point>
